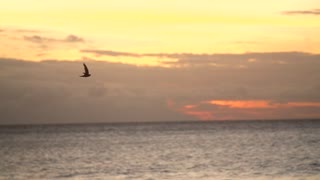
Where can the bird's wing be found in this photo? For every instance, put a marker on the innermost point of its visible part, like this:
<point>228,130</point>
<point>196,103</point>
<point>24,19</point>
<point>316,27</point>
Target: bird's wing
<point>85,68</point>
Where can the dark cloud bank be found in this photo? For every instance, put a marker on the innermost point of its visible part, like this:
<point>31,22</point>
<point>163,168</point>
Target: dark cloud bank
<point>52,91</point>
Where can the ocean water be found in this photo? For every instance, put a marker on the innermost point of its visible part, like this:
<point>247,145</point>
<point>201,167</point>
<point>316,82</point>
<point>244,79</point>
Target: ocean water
<point>259,150</point>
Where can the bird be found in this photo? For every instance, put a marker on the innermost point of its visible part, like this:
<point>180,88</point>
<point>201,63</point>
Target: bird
<point>86,71</point>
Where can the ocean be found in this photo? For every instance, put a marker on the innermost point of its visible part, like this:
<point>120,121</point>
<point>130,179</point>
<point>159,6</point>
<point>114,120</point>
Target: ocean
<point>222,150</point>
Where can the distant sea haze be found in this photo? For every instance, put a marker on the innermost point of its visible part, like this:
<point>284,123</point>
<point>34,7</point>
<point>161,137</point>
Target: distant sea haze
<point>263,150</point>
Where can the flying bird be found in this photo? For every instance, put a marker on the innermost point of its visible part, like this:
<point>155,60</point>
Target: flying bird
<point>86,71</point>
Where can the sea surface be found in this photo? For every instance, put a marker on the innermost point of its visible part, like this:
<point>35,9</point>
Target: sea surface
<point>224,150</point>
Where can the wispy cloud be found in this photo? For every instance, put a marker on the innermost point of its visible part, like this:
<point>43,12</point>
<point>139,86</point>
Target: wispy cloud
<point>34,42</point>
<point>11,30</point>
<point>41,39</point>
<point>27,31</point>
<point>110,53</point>
<point>218,60</point>
<point>265,55</point>
<point>73,38</point>
<point>302,12</point>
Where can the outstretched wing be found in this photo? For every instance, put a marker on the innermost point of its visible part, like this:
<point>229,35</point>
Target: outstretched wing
<point>86,70</point>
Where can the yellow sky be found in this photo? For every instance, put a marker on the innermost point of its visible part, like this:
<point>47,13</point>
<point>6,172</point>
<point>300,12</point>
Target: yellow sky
<point>160,26</point>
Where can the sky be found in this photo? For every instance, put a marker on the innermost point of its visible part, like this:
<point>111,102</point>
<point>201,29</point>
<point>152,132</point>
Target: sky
<point>159,60</point>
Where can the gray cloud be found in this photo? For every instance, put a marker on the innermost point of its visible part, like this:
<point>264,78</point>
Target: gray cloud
<point>26,31</point>
<point>20,30</point>
<point>216,59</point>
<point>45,43</point>
<point>109,53</point>
<point>40,39</point>
<point>73,38</point>
<point>52,91</point>
<point>302,12</point>
<point>37,39</point>
<point>130,54</point>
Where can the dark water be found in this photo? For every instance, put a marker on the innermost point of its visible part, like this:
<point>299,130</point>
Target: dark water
<point>213,150</point>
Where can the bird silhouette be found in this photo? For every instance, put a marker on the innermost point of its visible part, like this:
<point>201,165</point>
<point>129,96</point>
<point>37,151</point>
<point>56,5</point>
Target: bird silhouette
<point>86,71</point>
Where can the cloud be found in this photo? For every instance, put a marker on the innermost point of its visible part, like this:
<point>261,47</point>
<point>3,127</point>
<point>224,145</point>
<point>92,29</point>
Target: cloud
<point>219,60</point>
<point>261,104</point>
<point>303,12</point>
<point>119,53</point>
<point>37,39</point>
<point>26,31</point>
<point>46,43</point>
<point>40,39</point>
<point>73,38</point>
<point>52,91</point>
<point>209,57</point>
<point>249,109</point>
<point>109,53</point>
<point>20,30</point>
<point>38,44</point>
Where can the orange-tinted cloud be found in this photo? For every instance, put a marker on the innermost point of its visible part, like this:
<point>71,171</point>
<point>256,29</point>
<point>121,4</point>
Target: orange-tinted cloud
<point>303,104</point>
<point>243,104</point>
<point>190,106</point>
<point>261,104</point>
<point>190,110</point>
<point>247,109</point>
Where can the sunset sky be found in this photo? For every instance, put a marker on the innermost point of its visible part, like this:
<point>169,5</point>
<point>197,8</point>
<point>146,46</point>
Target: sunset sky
<point>159,60</point>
